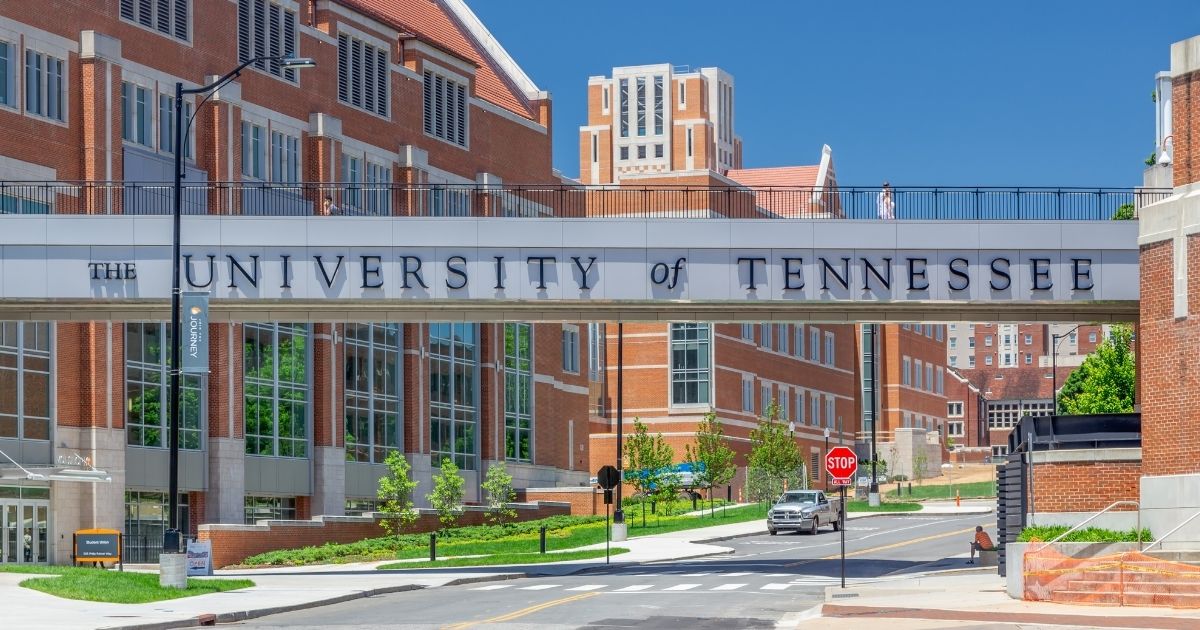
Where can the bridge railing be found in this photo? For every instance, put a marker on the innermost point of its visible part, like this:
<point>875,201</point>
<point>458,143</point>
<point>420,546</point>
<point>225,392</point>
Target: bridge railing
<point>682,202</point>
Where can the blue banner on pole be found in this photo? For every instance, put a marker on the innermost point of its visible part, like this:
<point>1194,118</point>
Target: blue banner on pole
<point>195,332</point>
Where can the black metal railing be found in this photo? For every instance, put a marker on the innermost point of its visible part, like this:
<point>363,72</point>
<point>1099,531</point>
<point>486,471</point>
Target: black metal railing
<point>565,201</point>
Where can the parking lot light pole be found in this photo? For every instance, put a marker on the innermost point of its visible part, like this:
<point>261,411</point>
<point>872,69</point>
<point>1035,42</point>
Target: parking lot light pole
<point>172,568</point>
<point>1056,340</point>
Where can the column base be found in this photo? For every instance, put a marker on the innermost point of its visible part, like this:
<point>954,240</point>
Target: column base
<point>873,499</point>
<point>172,570</point>
<point>1167,501</point>
<point>620,532</point>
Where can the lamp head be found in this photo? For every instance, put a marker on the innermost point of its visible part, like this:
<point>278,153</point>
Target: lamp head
<point>297,62</point>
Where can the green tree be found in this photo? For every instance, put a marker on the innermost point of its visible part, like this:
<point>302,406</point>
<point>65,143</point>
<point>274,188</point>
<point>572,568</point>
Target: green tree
<point>920,460</point>
<point>447,495</point>
<point>498,493</point>
<point>1125,211</point>
<point>775,460</point>
<point>711,460</point>
<point>396,493</point>
<point>648,460</point>
<point>1104,383</point>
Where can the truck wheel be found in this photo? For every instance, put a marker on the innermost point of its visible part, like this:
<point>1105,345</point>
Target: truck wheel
<point>837,524</point>
<point>816,525</point>
<point>771,531</point>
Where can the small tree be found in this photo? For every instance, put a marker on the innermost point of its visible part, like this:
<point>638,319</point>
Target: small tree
<point>920,459</point>
<point>711,460</point>
<point>775,460</point>
<point>498,492</point>
<point>647,463</point>
<point>447,495</point>
<point>1104,383</point>
<point>396,492</point>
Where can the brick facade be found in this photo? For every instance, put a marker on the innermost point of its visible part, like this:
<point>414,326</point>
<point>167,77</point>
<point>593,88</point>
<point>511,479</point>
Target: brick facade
<point>1085,486</point>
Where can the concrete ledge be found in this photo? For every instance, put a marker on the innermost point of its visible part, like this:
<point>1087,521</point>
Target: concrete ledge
<point>1088,455</point>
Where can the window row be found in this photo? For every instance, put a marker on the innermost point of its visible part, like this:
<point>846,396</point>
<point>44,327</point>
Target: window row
<point>923,376</point>
<point>792,405</point>
<point>777,337</point>
<point>641,151</point>
<point>42,77</point>
<point>143,111</point>
<point>636,95</point>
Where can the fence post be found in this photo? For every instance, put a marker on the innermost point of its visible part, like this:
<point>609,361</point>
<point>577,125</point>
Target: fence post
<point>542,536</point>
<point>432,546</point>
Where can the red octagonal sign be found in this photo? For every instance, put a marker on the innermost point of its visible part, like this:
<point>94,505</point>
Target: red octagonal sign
<point>841,464</point>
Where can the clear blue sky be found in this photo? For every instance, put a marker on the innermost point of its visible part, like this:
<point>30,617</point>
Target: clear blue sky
<point>1010,92</point>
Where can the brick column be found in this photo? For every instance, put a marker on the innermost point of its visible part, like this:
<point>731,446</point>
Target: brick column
<point>1169,327</point>
<point>100,113</point>
<point>328,439</point>
<point>225,500</point>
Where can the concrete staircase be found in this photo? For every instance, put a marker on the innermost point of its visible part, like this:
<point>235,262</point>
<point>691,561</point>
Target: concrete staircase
<point>1166,579</point>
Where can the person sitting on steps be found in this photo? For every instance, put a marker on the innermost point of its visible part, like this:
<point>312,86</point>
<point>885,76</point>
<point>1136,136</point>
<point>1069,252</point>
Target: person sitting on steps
<point>982,542</point>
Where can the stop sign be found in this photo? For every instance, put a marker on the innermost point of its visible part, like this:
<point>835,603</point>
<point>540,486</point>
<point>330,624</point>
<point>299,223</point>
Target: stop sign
<point>841,464</point>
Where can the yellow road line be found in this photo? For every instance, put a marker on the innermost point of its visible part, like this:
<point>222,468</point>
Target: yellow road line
<point>517,614</point>
<point>884,547</point>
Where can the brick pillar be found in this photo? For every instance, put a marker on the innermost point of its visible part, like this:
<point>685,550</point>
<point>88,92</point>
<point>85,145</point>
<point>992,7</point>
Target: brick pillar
<point>329,453</point>
<point>225,500</point>
<point>1169,322</point>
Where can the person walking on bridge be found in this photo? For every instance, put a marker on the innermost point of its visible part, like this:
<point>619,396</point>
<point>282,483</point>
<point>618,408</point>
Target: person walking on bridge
<point>885,205</point>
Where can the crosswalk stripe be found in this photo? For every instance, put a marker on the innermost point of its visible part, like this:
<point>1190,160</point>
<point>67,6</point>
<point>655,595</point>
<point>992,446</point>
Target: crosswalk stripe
<point>681,587</point>
<point>492,587</point>
<point>587,587</point>
<point>774,586</point>
<point>738,574</point>
<point>728,587</point>
<point>635,587</point>
<point>539,587</point>
<point>696,574</point>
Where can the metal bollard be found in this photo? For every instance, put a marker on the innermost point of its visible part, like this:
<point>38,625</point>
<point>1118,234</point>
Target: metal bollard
<point>432,546</point>
<point>694,501</point>
<point>898,493</point>
<point>910,488</point>
<point>542,534</point>
<point>653,507</point>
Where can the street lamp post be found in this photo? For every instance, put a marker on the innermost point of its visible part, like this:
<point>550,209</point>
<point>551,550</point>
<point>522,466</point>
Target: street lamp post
<point>827,453</point>
<point>1056,339</point>
<point>173,570</point>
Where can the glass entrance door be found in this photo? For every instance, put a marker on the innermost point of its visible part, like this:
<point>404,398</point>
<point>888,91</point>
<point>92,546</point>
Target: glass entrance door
<point>23,531</point>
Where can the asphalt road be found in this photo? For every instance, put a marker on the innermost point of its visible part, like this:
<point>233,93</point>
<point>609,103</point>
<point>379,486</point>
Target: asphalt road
<point>766,578</point>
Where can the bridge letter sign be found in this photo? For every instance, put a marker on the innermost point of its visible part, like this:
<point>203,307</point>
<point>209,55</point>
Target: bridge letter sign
<point>841,464</point>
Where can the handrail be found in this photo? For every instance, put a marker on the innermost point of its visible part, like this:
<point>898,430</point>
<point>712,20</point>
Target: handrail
<point>1096,515</point>
<point>1177,528</point>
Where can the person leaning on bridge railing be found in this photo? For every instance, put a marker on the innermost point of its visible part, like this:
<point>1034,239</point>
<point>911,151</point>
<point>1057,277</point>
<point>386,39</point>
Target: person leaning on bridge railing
<point>885,204</point>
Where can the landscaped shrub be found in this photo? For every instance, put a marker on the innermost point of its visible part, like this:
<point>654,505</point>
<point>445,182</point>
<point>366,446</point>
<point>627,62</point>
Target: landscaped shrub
<point>1086,535</point>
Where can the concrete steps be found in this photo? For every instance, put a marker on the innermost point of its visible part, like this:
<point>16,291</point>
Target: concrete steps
<point>1129,598</point>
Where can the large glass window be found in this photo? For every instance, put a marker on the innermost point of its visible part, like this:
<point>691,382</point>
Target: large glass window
<point>372,398</point>
<point>570,349</point>
<point>137,117</point>
<point>147,390</point>
<point>595,351</point>
<point>166,125</point>
<point>266,29</point>
<point>8,74</point>
<point>453,399</point>
<point>623,95</point>
<point>690,372</point>
<point>269,508</point>
<point>145,521</point>
<point>658,106</point>
<point>275,362</point>
<point>25,380</point>
<point>518,392</point>
<point>285,158</point>
<point>252,150</point>
<point>44,85</point>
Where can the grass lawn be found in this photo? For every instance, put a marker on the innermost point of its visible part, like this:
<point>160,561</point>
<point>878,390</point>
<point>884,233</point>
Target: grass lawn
<point>517,538</point>
<point>101,585</point>
<point>973,490</point>
<point>884,506</point>
<point>505,558</point>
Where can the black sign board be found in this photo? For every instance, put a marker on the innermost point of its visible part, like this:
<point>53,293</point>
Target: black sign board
<point>608,477</point>
<point>608,497</point>
<point>97,546</point>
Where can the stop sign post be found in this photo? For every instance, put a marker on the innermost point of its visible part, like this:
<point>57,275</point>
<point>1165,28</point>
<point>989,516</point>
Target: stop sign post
<point>841,464</point>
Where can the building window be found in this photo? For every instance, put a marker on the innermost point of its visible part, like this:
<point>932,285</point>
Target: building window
<point>269,509</point>
<point>971,361</point>
<point>939,332</point>
<point>999,450</point>
<point>1028,340</point>
<point>987,340</point>
<point>641,109</point>
<point>814,409</point>
<point>352,177</point>
<point>570,349</point>
<point>765,335</point>
<point>905,371</point>
<point>748,394</point>
<point>689,142</point>
<point>518,393</point>
<point>764,398</point>
<point>595,351</point>
<point>798,347</point>
<point>1028,358</point>
<point>987,360</point>
<point>623,153</point>
<point>641,151</point>
<point>378,190</point>
<point>285,158</point>
<point>970,342</point>
<point>372,391</point>
<point>954,429</point>
<point>8,74</point>
<point>169,17</point>
<point>166,125</point>
<point>137,117</point>
<point>266,29</point>
<point>362,75</point>
<point>658,150</point>
<point>829,355</point>
<point>604,93</point>
<point>814,345</point>
<point>829,411</point>
<point>785,399</point>
<point>781,338</point>
<point>147,391</point>
<point>682,94</point>
<point>25,349</point>
<point>954,409</point>
<point>624,96</point>
<point>953,343</point>
<point>658,111</point>
<point>595,148</point>
<point>798,408</point>
<point>445,109</point>
<point>361,507</point>
<point>453,399</point>
<point>941,381</point>
<point>275,364</point>
<point>252,150</point>
<point>1092,337</point>
<point>690,368</point>
<point>44,80</point>
<point>953,360</point>
<point>918,373</point>
<point>146,520</point>
<point>748,332</point>
<point>929,384</point>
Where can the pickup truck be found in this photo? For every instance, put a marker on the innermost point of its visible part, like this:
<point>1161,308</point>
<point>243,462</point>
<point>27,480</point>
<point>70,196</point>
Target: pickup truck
<point>804,511</point>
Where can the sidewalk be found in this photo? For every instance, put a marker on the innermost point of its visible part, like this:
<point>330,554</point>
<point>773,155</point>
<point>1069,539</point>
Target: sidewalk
<point>950,598</point>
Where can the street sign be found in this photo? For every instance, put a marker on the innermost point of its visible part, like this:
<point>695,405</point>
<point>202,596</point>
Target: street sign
<point>608,477</point>
<point>97,545</point>
<point>841,464</point>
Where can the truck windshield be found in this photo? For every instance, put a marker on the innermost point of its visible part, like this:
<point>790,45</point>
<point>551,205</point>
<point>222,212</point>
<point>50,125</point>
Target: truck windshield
<point>799,497</point>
